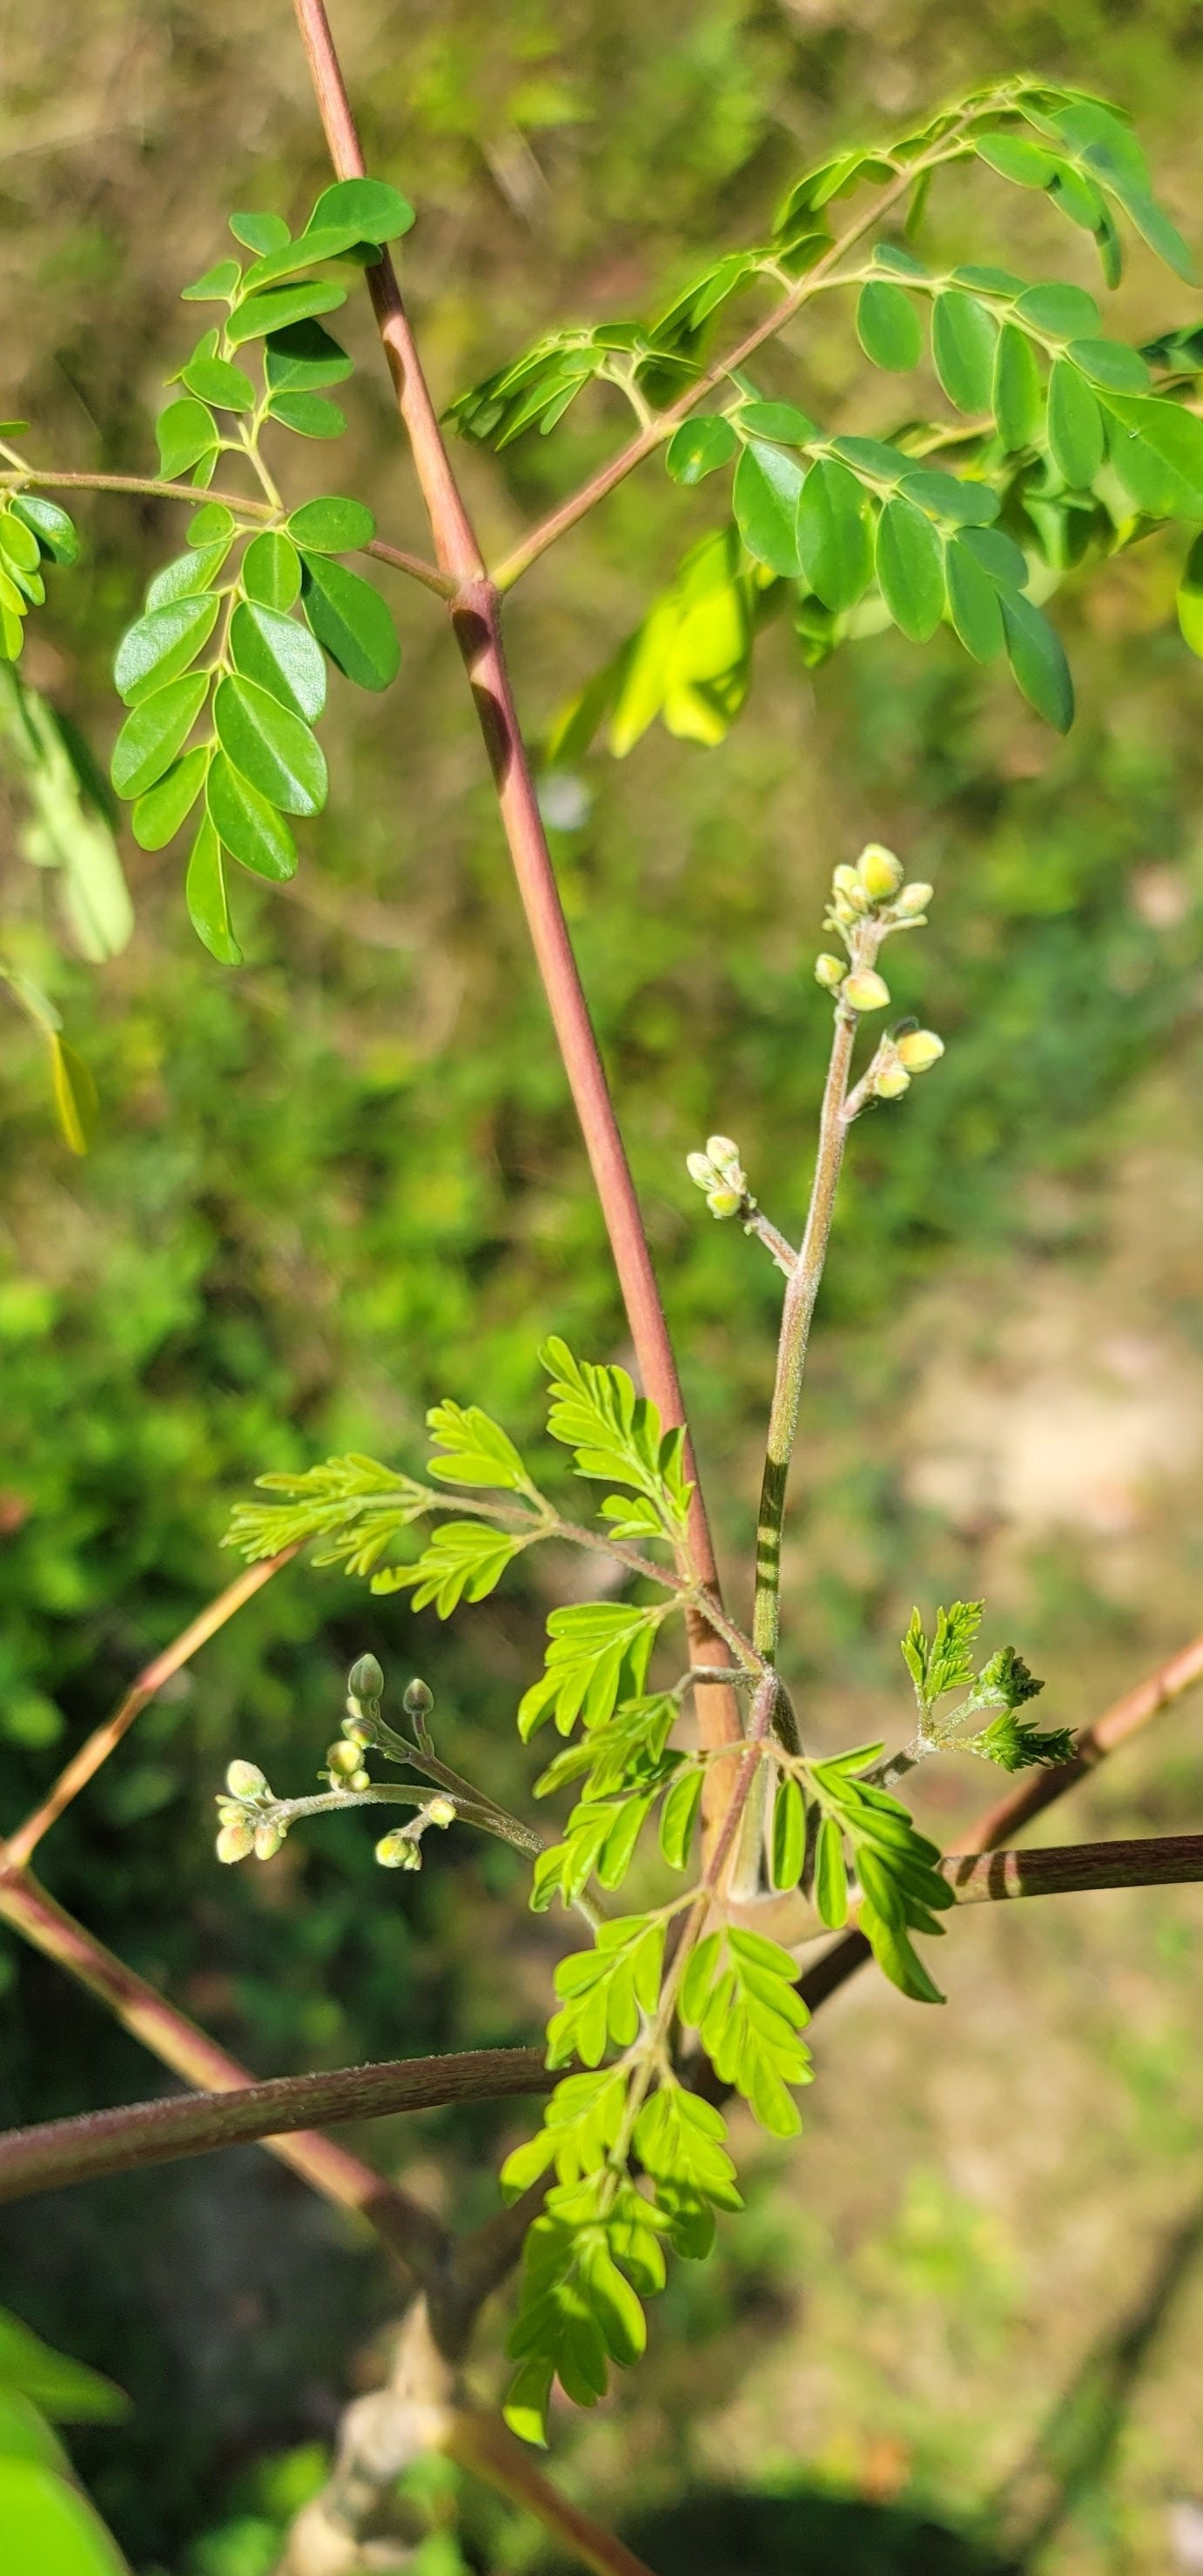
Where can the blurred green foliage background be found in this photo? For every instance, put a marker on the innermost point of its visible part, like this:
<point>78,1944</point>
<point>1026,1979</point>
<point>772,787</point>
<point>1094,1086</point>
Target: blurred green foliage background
<point>345,1181</point>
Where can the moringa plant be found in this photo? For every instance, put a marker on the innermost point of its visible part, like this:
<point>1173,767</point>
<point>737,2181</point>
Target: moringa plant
<point>1031,443</point>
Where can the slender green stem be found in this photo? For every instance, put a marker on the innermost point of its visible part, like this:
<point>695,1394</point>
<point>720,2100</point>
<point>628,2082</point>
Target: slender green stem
<point>154,486</point>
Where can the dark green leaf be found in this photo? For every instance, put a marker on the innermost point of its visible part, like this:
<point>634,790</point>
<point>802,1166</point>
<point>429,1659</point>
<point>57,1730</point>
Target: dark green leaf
<point>352,621</point>
<point>377,212</point>
<point>212,525</point>
<point>302,358</point>
<point>1017,400</point>
<point>972,603</point>
<point>155,731</point>
<point>215,287</point>
<point>271,570</point>
<point>307,415</point>
<point>331,526</point>
<point>157,816</point>
<point>186,432</point>
<point>188,575</point>
<point>765,495</point>
<point>260,233</point>
<point>281,655</point>
<point>1036,657</point>
<point>698,446</point>
<point>998,555</point>
<point>910,569</point>
<point>835,534</point>
<point>162,644</point>
<point>1077,197</point>
<point>52,527</point>
<point>249,827</point>
<point>271,746</point>
<point>1075,426</point>
<point>1065,312</point>
<point>888,327</point>
<point>279,306</point>
<point>963,336</point>
<point>215,381</point>
<point>206,897</point>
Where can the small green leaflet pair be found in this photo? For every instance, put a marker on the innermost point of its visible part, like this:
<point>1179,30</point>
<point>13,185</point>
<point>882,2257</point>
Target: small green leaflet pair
<point>34,532</point>
<point>219,635</point>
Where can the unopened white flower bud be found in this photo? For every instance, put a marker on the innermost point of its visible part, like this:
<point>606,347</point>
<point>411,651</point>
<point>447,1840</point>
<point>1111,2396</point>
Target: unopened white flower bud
<point>919,1050</point>
<point>245,1780</point>
<point>357,1730</point>
<point>866,990</point>
<point>913,899</point>
<point>846,882</point>
<point>441,1811</point>
<point>879,871</point>
<point>235,1841</point>
<point>360,1780</point>
<point>268,1839</point>
<point>830,972</point>
<point>891,1082</point>
<point>699,1170</point>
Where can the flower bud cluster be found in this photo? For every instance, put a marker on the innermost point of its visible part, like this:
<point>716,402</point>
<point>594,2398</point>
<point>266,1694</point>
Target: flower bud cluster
<point>720,1173</point>
<point>247,1816</point>
<point>900,1058</point>
<point>401,1849</point>
<point>868,903</point>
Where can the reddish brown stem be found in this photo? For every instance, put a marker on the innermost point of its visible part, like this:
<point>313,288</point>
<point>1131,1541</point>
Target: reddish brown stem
<point>475,616</point>
<point>84,1764</point>
<point>482,2444</point>
<point>1067,1869</point>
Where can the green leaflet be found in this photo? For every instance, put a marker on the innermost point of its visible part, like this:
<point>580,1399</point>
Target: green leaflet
<point>1017,399</point>
<point>462,1560</point>
<point>765,497</point>
<point>835,534</point>
<point>158,814</point>
<point>594,1649</point>
<point>1190,598</point>
<point>963,336</point>
<point>973,603</point>
<point>270,745</point>
<point>749,2017</point>
<point>247,825</point>
<point>831,1876</point>
<point>1157,451</point>
<point>206,897</point>
<point>186,433</point>
<point>189,574</point>
<point>888,326</point>
<point>75,1099</point>
<point>222,386</point>
<point>307,415</point>
<point>161,645</point>
<point>368,207</point>
<point>1065,312</point>
<point>331,526</point>
<point>701,444</point>
<point>281,655</point>
<point>302,358</point>
<point>678,1817</point>
<point>789,1833</point>
<point>1075,425</point>
<point>910,569</point>
<point>278,306</point>
<point>1037,659</point>
<point>351,620</point>
<point>271,570</point>
<point>474,1450</point>
<point>154,731</point>
<point>616,1435</point>
<point>353,1506</point>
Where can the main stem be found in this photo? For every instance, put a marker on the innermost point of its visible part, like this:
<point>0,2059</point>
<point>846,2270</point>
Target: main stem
<point>476,620</point>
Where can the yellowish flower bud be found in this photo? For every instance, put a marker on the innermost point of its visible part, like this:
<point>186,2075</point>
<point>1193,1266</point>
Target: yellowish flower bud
<point>919,1050</point>
<point>357,1730</point>
<point>397,1851</point>
<point>441,1811</point>
<point>913,900</point>
<point>830,972</point>
<point>891,1082</point>
<point>879,871</point>
<point>724,1154</point>
<point>724,1202</point>
<point>245,1780</point>
<point>360,1780</point>
<point>268,1839</point>
<point>866,990</point>
<point>846,883</point>
<point>699,1170</point>
<point>342,1758</point>
<point>234,1842</point>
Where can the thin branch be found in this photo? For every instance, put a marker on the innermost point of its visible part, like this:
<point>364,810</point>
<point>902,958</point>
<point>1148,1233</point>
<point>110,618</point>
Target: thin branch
<point>415,565</point>
<point>1123,1719</point>
<point>1062,1869</point>
<point>558,522</point>
<point>84,1765</point>
<point>476,622</point>
<point>59,2152</point>
<point>404,2226</point>
<point>481,2444</point>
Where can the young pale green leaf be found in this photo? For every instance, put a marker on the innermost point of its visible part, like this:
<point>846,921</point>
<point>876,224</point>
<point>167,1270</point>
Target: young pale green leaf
<point>678,1817</point>
<point>888,326</point>
<point>1037,658</point>
<point>474,1449</point>
<point>1015,1746</point>
<point>973,603</point>
<point>766,490</point>
<point>271,570</point>
<point>1017,399</point>
<point>278,307</point>
<point>215,287</point>
<point>216,382</point>
<point>1075,425</point>
<point>158,814</point>
<point>910,569</point>
<point>964,336</point>
<point>281,655</point>
<point>248,826</point>
<point>307,415</point>
<point>331,526</point>
<point>260,233</point>
<point>898,1958</point>
<point>595,1648</point>
<point>789,1833</point>
<point>949,1664</point>
<point>369,207</point>
<point>831,1876</point>
<point>614,1433</point>
<point>304,358</point>
<point>834,534</point>
<point>186,432</point>
<point>351,621</point>
<point>155,731</point>
<point>206,897</point>
<point>462,1560</point>
<point>159,646</point>
<point>272,747</point>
